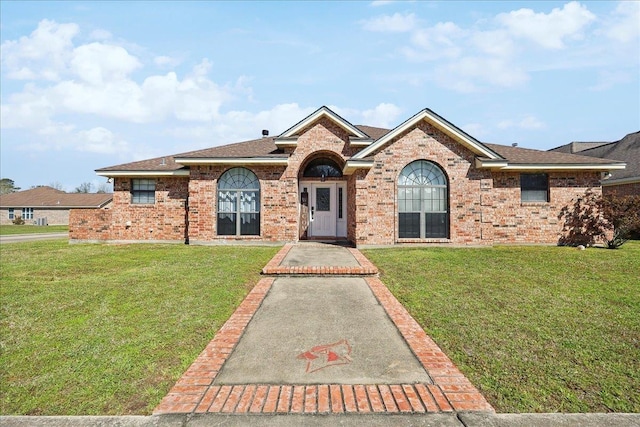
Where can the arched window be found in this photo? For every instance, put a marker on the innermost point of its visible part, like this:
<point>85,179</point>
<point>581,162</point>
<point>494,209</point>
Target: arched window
<point>322,167</point>
<point>238,203</point>
<point>422,201</point>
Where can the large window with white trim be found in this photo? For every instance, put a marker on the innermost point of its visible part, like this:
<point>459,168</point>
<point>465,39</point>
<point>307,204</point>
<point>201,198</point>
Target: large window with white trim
<point>423,208</point>
<point>238,203</point>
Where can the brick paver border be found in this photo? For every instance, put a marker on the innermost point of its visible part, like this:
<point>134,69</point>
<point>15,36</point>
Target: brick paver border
<point>195,392</point>
<point>366,268</point>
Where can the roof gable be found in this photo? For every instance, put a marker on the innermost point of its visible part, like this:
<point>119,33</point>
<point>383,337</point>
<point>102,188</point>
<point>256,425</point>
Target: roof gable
<point>289,137</point>
<point>439,122</point>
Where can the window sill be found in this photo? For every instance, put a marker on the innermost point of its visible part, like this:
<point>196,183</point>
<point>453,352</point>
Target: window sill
<point>436,240</point>
<point>532,203</point>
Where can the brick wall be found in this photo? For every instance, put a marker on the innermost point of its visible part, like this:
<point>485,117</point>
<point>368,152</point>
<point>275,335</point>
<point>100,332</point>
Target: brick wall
<point>505,219</point>
<point>164,220</point>
<point>89,224</point>
<point>631,189</point>
<point>485,207</point>
<point>376,200</point>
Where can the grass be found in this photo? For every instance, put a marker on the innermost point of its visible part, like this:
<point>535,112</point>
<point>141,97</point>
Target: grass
<point>32,229</point>
<point>536,329</point>
<point>108,329</point>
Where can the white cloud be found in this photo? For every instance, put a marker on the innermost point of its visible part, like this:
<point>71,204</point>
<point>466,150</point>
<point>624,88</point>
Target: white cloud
<point>439,41</point>
<point>166,61</point>
<point>608,79</point>
<point>98,63</point>
<point>378,3</point>
<point>473,73</point>
<point>101,140</point>
<point>496,42</point>
<point>100,35</point>
<point>383,115</point>
<point>528,122</point>
<point>624,24</point>
<point>396,23</point>
<point>548,30</point>
<point>44,54</point>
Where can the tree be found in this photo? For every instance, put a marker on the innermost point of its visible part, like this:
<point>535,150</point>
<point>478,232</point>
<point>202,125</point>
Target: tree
<point>85,187</point>
<point>57,185</point>
<point>7,186</point>
<point>104,188</point>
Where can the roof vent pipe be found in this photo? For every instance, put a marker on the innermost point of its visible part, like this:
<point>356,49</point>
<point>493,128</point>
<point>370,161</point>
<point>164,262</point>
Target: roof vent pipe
<point>265,133</point>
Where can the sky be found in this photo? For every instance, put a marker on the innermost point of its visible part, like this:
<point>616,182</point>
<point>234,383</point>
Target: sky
<point>85,85</point>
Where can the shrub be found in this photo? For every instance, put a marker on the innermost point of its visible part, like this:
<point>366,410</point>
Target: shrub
<point>611,219</point>
<point>624,214</point>
<point>18,220</point>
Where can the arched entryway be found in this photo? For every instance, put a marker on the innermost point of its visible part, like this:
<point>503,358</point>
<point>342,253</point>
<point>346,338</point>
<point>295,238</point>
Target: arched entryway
<point>323,198</point>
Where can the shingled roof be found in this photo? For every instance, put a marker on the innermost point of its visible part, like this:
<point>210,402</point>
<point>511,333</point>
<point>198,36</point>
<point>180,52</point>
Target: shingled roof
<point>627,149</point>
<point>266,149</point>
<point>51,198</point>
<point>523,156</point>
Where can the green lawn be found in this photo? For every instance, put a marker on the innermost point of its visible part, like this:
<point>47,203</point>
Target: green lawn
<point>536,329</point>
<point>108,329</point>
<point>32,229</point>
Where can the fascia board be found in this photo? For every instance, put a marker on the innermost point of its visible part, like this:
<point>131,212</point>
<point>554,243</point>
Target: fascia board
<point>233,161</point>
<point>551,166</point>
<point>611,181</point>
<point>110,174</point>
<point>351,166</point>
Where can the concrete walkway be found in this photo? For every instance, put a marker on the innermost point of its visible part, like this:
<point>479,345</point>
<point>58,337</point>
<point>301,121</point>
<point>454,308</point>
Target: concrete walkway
<point>324,336</point>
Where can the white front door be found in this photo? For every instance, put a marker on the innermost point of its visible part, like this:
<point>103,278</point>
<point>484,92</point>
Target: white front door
<point>322,210</point>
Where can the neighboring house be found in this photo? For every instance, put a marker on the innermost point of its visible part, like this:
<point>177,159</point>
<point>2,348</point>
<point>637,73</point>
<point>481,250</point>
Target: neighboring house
<point>621,182</point>
<point>425,181</point>
<point>47,206</point>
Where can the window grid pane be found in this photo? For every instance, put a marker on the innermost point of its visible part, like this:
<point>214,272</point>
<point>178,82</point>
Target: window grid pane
<point>238,198</point>
<point>143,191</point>
<point>422,201</point>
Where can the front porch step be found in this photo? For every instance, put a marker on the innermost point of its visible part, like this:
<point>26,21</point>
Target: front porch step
<point>276,268</point>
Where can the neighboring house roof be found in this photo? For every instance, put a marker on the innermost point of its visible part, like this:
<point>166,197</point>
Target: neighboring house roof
<point>49,197</point>
<point>268,150</point>
<point>520,158</point>
<point>627,149</point>
<point>577,146</point>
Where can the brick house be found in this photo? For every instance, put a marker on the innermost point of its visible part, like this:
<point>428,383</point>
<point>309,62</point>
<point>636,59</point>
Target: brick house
<point>620,182</point>
<point>47,206</point>
<point>425,181</point>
